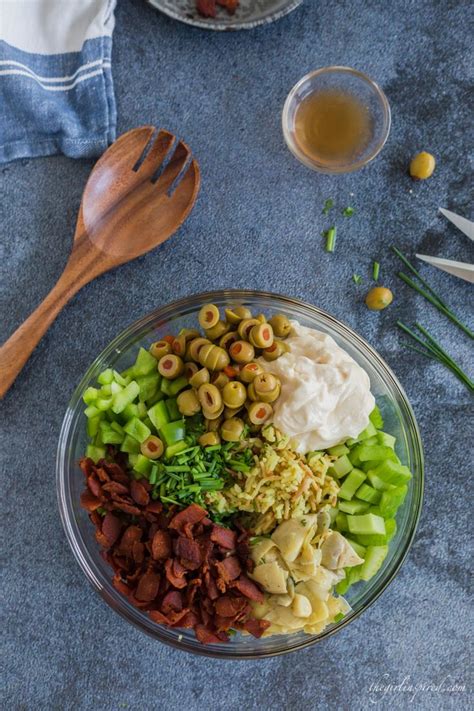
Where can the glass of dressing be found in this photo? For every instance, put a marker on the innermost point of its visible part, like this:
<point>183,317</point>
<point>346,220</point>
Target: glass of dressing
<point>336,119</point>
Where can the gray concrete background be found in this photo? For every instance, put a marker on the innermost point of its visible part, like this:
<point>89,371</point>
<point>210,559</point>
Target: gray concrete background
<point>256,224</point>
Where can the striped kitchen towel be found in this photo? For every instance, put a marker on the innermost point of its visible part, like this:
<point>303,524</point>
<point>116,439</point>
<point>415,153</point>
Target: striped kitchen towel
<point>56,90</point>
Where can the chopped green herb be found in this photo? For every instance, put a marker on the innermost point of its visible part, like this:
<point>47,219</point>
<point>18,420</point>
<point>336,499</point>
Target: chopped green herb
<point>328,205</point>
<point>376,270</point>
<point>330,236</point>
<point>348,211</point>
<point>357,279</point>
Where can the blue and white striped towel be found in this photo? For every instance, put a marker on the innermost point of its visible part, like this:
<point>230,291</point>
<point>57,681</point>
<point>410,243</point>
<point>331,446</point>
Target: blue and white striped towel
<point>56,90</point>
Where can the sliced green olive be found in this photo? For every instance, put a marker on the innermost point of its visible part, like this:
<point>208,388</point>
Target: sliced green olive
<point>170,366</point>
<point>194,347</point>
<point>228,339</point>
<point>189,333</point>
<point>160,349</point>
<point>217,331</point>
<point>219,379</point>
<point>212,423</point>
<point>202,376</point>
<point>242,352</point>
<point>245,326</point>
<point>190,369</point>
<point>274,351</point>
<point>179,345</point>
<point>210,398</point>
<point>237,314</point>
<point>152,447</point>
<point>264,383</point>
<point>234,394</point>
<point>232,429</point>
<point>251,393</point>
<point>213,415</point>
<point>213,357</point>
<point>208,316</point>
<point>249,371</point>
<point>208,439</point>
<point>259,412</point>
<point>188,403</point>
<point>261,336</point>
<point>231,412</point>
<point>281,325</point>
<point>261,317</point>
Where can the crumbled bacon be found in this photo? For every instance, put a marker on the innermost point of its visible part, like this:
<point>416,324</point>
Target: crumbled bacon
<point>207,8</point>
<point>178,566</point>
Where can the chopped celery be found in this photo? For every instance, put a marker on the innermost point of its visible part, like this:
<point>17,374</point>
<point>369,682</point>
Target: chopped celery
<point>351,484</point>
<point>120,379</point>
<point>129,411</point>
<point>117,427</point>
<point>133,458</point>
<point>340,467</point>
<point>352,577</point>
<point>148,385</point>
<point>391,500</point>
<point>173,432</point>
<point>369,465</point>
<point>106,376</point>
<point>366,524</point>
<point>172,407</point>
<point>125,397</point>
<point>353,507</point>
<point>145,363</point>
<point>376,418</point>
<point>375,556</point>
<point>175,448</point>
<point>369,431</point>
<point>95,453</point>
<point>375,452</point>
<point>393,473</point>
<point>141,410</point>
<point>93,425</point>
<point>90,394</point>
<point>115,388</point>
<point>377,482</point>
<point>377,539</point>
<point>105,391</point>
<point>142,464</point>
<point>368,493</point>
<point>341,522</point>
<point>130,445</point>
<point>390,528</point>
<point>103,403</point>
<point>156,398</point>
<point>338,450</point>
<point>332,514</point>
<point>128,374</point>
<point>386,439</point>
<point>359,549</point>
<point>91,411</point>
<point>158,414</point>
<point>109,436</point>
<point>166,387</point>
<point>135,428</point>
<point>175,386</point>
<point>370,441</point>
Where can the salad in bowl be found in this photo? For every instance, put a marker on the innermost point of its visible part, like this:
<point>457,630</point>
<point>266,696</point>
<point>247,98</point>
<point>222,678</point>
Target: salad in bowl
<point>238,478</point>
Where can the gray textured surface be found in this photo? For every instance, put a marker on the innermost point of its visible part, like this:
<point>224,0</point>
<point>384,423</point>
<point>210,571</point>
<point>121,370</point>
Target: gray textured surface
<point>257,224</point>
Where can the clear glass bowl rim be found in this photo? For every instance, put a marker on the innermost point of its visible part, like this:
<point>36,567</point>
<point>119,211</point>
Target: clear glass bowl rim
<point>133,333</point>
<point>302,157</point>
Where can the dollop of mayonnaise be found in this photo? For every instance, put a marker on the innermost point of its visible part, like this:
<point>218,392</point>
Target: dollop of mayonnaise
<point>325,395</point>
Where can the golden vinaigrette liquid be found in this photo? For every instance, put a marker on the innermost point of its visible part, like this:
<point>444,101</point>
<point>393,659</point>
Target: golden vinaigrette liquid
<point>332,127</point>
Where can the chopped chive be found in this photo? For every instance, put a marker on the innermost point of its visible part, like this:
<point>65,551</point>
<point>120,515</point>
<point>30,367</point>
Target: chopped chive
<point>348,211</point>
<point>376,270</point>
<point>328,205</point>
<point>357,279</point>
<point>330,239</point>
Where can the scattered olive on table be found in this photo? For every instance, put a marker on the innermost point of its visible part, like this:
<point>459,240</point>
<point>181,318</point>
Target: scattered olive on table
<point>378,298</point>
<point>422,166</point>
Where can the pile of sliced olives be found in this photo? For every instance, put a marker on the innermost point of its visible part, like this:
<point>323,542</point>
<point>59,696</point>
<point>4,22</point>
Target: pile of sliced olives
<point>227,385</point>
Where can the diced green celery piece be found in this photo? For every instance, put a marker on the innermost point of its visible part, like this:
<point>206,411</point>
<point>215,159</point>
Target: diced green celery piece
<point>173,432</point>
<point>343,585</point>
<point>353,507</point>
<point>377,482</point>
<point>95,453</point>
<point>391,500</point>
<point>103,403</point>
<point>118,428</point>
<point>333,511</point>
<point>390,528</point>
<point>337,618</point>
<point>93,425</point>
<point>148,385</point>
<point>135,428</point>
<point>386,439</point>
<point>115,388</point>
<point>106,376</point>
<point>166,387</point>
<point>142,411</point>
<point>174,449</point>
<point>130,445</point>
<point>158,414</point>
<point>369,431</point>
<point>369,465</point>
<point>172,407</point>
<point>91,411</point>
<point>374,558</point>
<point>340,467</point>
<point>129,411</point>
<point>352,577</point>
<point>98,441</point>
<point>368,493</point>
<point>125,397</point>
<point>177,385</point>
<point>371,441</point>
<point>338,450</point>
<point>341,522</point>
<point>376,453</point>
<point>132,458</point>
<point>146,421</point>
<point>90,395</point>
<point>359,549</point>
<point>145,363</point>
<point>354,455</point>
<point>128,374</point>
<point>120,379</point>
<point>109,436</point>
<point>350,485</point>
<point>142,465</point>
<point>366,524</point>
<point>351,442</point>
<point>376,418</point>
<point>392,473</point>
<point>156,398</point>
<point>378,539</point>
<point>105,391</point>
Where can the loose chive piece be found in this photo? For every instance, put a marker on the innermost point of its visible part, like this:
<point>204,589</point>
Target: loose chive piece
<point>376,270</point>
<point>328,205</point>
<point>330,239</point>
<point>357,279</point>
<point>348,211</point>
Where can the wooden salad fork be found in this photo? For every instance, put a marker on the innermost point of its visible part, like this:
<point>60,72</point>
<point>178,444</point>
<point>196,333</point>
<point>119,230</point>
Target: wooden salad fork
<point>138,194</point>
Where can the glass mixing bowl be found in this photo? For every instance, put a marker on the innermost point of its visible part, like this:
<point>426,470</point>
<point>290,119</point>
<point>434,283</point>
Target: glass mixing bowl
<point>399,421</point>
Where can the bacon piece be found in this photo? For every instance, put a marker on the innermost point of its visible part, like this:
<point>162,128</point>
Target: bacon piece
<point>126,508</point>
<point>119,585</point>
<point>139,493</point>
<point>228,569</point>
<point>224,537</point>
<point>158,616</point>
<point>248,588</point>
<point>116,472</point>
<point>111,528</point>
<point>205,636</point>
<point>178,581</point>
<point>175,618</point>
<point>102,475</point>
<point>173,600</point>
<point>191,514</point>
<point>155,507</point>
<point>138,552</point>
<point>96,519</point>
<point>230,5</point>
<point>94,486</point>
<point>189,620</point>
<point>116,488</point>
<point>89,501</point>
<point>161,545</point>
<point>129,537</point>
<point>206,8</point>
<point>148,585</point>
<point>189,552</point>
<point>211,587</point>
<point>228,606</point>
<point>256,627</point>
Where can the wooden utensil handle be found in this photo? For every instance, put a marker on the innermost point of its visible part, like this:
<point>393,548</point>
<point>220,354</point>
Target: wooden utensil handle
<point>15,352</point>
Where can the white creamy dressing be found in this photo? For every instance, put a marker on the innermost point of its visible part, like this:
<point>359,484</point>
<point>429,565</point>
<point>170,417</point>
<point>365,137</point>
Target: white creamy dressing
<point>325,395</point>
